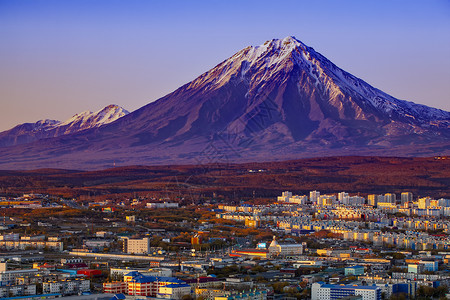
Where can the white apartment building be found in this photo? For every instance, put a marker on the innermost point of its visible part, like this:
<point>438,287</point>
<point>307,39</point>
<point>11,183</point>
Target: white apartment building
<point>391,198</point>
<point>162,205</point>
<point>284,197</point>
<point>321,291</point>
<point>66,287</point>
<point>406,197</point>
<point>17,290</point>
<point>313,196</point>
<point>289,198</point>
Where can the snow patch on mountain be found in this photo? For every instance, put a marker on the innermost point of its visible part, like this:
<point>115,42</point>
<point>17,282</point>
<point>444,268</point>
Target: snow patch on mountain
<point>45,125</point>
<point>88,119</point>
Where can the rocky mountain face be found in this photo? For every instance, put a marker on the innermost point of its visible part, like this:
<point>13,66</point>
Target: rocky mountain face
<point>281,100</point>
<point>30,132</point>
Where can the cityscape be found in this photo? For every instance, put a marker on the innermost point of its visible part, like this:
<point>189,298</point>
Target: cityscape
<point>224,150</point>
<point>315,246</point>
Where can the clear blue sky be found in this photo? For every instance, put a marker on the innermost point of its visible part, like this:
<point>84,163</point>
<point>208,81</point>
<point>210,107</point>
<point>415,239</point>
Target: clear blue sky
<point>58,58</point>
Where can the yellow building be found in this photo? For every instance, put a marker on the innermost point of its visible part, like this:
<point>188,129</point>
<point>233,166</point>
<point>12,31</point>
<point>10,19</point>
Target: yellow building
<point>250,222</point>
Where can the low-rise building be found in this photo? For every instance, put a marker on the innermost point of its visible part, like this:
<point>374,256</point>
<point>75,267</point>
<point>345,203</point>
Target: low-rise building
<point>174,291</point>
<point>17,290</point>
<point>115,287</point>
<point>354,270</point>
<point>9,276</point>
<point>136,245</point>
<point>66,287</point>
<point>276,249</point>
<point>322,291</point>
<point>141,285</point>
<point>250,295</point>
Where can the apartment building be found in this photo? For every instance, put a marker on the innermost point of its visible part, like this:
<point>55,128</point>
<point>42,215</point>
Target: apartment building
<point>321,291</point>
<point>9,276</point>
<point>136,245</point>
<point>67,287</point>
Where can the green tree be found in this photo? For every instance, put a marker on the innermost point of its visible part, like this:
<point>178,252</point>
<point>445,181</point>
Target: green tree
<point>399,296</point>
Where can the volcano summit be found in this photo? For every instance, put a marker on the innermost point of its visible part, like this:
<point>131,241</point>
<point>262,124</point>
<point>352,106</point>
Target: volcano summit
<point>281,100</point>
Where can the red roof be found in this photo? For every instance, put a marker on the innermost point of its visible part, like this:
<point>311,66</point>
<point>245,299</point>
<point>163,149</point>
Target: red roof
<point>89,272</point>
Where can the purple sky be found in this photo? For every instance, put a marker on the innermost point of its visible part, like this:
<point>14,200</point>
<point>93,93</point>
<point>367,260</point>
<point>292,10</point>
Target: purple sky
<point>58,58</point>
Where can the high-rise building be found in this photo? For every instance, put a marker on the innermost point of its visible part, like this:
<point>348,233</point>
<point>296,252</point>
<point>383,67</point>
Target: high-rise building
<point>284,196</point>
<point>313,196</point>
<point>372,199</point>
<point>343,197</point>
<point>356,200</point>
<point>406,197</point>
<point>390,198</point>
<point>444,202</point>
<point>325,200</point>
<point>424,202</point>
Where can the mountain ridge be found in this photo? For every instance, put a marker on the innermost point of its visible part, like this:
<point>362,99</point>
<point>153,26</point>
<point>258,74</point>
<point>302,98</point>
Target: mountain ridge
<point>42,129</point>
<point>281,100</point>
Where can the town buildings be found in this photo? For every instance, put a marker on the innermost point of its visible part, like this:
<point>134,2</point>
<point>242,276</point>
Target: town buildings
<point>322,291</point>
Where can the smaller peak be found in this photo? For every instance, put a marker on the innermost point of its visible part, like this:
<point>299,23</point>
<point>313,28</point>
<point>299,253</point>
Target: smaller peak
<point>114,107</point>
<point>111,106</point>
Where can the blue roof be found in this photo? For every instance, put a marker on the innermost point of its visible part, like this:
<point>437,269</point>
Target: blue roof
<point>34,296</point>
<point>349,287</point>
<point>176,285</point>
<point>354,267</point>
<point>134,273</point>
<point>170,279</point>
<point>118,297</point>
<point>67,271</point>
<point>146,279</point>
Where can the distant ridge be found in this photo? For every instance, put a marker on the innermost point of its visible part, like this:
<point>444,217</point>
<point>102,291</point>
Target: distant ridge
<point>30,132</point>
<point>281,100</point>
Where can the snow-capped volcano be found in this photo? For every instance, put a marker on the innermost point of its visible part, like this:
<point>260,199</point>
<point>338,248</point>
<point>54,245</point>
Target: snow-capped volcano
<point>29,132</point>
<point>279,100</point>
<point>258,65</point>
